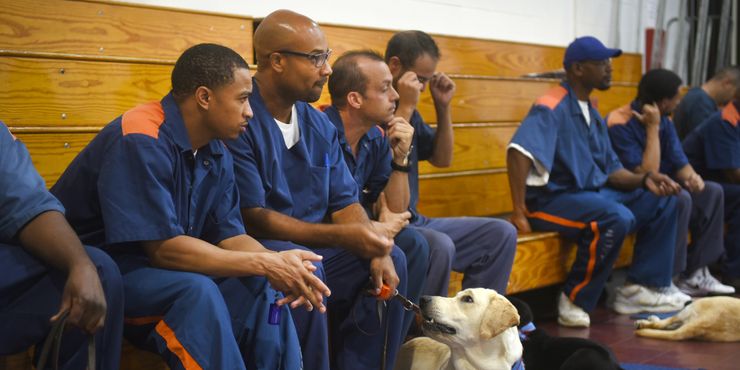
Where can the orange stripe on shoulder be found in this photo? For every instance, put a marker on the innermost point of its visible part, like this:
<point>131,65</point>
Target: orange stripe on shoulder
<point>730,114</point>
<point>144,119</point>
<point>619,116</point>
<point>552,98</point>
<point>382,132</point>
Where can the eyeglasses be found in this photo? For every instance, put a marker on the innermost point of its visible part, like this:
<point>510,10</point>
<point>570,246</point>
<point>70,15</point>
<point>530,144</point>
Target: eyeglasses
<point>318,59</point>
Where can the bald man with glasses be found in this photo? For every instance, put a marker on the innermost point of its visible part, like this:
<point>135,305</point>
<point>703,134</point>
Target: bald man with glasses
<point>297,192</point>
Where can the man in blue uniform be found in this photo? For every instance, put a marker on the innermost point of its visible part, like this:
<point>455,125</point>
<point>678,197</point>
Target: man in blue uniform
<point>701,102</point>
<point>296,192</point>
<point>564,176</point>
<point>482,248</point>
<point>644,138</point>
<point>45,271</point>
<point>362,97</point>
<point>714,151</point>
<point>156,187</point>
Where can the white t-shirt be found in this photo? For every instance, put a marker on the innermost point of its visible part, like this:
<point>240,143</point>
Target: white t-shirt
<point>291,131</point>
<point>584,110</point>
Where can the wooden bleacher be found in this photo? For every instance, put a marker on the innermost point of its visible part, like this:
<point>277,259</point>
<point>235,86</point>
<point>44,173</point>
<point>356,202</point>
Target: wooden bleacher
<point>70,67</point>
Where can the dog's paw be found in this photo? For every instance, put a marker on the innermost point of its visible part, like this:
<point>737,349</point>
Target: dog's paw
<point>640,324</point>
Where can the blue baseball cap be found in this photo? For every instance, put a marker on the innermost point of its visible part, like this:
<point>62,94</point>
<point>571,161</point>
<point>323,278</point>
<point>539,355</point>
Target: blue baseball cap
<point>588,48</point>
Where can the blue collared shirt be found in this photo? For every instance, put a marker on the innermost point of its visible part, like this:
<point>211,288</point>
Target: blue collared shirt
<point>695,107</point>
<point>308,181</point>
<point>371,167</point>
<point>140,180</point>
<point>629,139</point>
<point>578,155</point>
<point>23,194</point>
<point>714,146</point>
<point>422,150</point>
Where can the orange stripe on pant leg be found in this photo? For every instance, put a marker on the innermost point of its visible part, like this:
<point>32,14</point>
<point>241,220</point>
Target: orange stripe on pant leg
<point>591,262</point>
<point>176,347</point>
<point>557,220</point>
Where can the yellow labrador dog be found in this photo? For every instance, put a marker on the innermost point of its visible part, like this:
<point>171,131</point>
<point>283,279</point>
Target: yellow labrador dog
<point>714,319</point>
<point>476,329</point>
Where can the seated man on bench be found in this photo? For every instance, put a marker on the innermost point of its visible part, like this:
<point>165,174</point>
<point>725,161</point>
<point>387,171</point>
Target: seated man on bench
<point>645,139</point>
<point>565,177</point>
<point>156,187</point>
<point>45,271</point>
<point>363,97</point>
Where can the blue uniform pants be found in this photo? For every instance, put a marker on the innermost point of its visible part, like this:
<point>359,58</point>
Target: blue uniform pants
<point>481,248</point>
<point>416,249</point>
<point>599,221</point>
<point>30,294</point>
<point>703,214</point>
<point>357,336</point>
<point>195,321</point>
<point>731,265</point>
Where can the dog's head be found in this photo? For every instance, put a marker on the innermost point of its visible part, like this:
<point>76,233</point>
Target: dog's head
<point>471,316</point>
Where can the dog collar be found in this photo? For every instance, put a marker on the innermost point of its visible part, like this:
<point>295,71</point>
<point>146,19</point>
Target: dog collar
<point>525,330</point>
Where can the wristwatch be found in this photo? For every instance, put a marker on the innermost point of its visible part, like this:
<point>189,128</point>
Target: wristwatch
<point>404,166</point>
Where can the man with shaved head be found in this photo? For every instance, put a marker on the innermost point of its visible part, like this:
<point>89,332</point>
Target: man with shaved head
<point>297,192</point>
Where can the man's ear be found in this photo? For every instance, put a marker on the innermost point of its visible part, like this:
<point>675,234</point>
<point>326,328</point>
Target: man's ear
<point>203,96</point>
<point>394,64</point>
<point>354,100</point>
<point>499,316</point>
<point>276,61</point>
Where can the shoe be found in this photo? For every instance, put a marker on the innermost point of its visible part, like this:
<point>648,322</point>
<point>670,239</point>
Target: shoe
<point>732,281</point>
<point>702,283</point>
<point>675,291</point>
<point>571,315</point>
<point>633,298</point>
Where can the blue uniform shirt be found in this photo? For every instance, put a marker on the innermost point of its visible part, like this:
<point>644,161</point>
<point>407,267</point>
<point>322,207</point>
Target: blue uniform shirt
<point>629,139</point>
<point>695,107</point>
<point>371,168</point>
<point>578,156</point>
<point>139,180</point>
<point>23,194</point>
<point>423,149</point>
<point>308,181</point>
<point>715,145</point>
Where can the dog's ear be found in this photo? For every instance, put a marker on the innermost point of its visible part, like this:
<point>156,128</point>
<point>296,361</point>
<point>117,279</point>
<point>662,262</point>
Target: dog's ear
<point>499,316</point>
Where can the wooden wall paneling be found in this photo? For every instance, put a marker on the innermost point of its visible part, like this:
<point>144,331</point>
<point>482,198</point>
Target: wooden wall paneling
<point>477,147</point>
<point>58,92</point>
<point>116,30</point>
<point>51,153</point>
<point>476,194</point>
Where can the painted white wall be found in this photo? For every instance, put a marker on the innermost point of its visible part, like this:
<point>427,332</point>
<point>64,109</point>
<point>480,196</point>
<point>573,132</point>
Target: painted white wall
<point>548,22</point>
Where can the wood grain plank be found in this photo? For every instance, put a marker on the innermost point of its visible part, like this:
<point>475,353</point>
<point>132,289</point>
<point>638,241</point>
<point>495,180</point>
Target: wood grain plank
<point>53,92</point>
<point>476,148</point>
<point>71,27</point>
<point>471,56</point>
<point>469,195</point>
<point>52,153</point>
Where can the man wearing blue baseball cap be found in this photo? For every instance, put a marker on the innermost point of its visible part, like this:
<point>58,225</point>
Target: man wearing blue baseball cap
<point>565,177</point>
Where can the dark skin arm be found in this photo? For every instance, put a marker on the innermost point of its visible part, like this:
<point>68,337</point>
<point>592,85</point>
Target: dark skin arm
<point>518,166</point>
<point>733,175</point>
<point>657,183</point>
<point>289,271</point>
<point>51,239</point>
<point>350,229</point>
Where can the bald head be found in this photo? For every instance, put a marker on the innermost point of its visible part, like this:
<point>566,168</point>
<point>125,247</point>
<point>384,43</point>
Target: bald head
<point>285,30</point>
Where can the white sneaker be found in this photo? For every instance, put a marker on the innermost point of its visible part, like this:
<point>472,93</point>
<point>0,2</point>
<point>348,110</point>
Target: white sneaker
<point>702,283</point>
<point>674,291</point>
<point>635,298</point>
<point>571,315</point>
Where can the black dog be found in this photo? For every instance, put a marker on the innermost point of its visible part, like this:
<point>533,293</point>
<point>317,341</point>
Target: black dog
<point>543,352</point>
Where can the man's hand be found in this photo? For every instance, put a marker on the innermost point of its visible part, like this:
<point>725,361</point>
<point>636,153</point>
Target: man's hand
<point>694,183</point>
<point>442,88</point>
<point>519,220</point>
<point>661,185</point>
<point>650,116</point>
<point>367,241</point>
<point>389,223</point>
<point>84,299</point>
<point>409,89</point>
<point>400,135</point>
<point>291,272</point>
<point>382,271</point>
